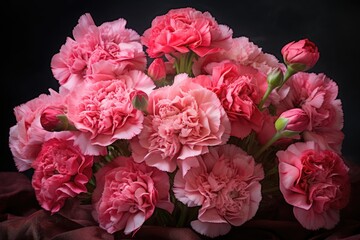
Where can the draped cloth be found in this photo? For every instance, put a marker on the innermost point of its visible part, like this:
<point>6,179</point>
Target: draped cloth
<point>22,218</point>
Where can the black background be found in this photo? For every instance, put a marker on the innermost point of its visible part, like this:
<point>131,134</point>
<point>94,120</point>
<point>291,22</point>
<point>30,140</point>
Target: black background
<point>34,31</point>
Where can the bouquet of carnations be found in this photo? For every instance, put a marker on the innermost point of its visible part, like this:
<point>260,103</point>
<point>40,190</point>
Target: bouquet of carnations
<point>183,126</point>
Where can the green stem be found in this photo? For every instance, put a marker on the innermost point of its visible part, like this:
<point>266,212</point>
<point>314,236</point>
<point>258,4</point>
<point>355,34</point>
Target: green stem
<point>183,64</point>
<point>266,95</point>
<point>289,72</point>
<point>276,137</point>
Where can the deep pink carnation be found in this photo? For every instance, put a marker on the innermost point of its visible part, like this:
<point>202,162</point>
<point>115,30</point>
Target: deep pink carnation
<point>183,121</point>
<point>27,136</point>
<point>239,88</point>
<point>317,94</point>
<point>92,45</point>
<point>315,181</point>
<point>225,185</point>
<point>127,193</point>
<point>61,172</point>
<point>183,30</point>
<point>300,55</point>
<point>104,111</point>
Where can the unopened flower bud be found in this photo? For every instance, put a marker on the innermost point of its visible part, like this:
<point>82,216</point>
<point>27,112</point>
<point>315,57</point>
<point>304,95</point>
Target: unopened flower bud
<point>53,118</point>
<point>140,100</point>
<point>301,55</point>
<point>157,69</point>
<point>275,78</point>
<point>295,120</point>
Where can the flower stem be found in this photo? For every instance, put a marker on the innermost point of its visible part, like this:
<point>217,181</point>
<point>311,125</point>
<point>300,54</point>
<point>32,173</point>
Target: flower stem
<point>276,137</point>
<point>289,72</point>
<point>183,64</point>
<point>266,95</point>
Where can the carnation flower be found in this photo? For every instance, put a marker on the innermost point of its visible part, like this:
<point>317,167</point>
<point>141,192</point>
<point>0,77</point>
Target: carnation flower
<point>127,193</point>
<point>184,30</point>
<point>92,45</point>
<point>239,89</point>
<point>157,69</point>
<point>185,135</point>
<point>104,109</point>
<point>27,136</point>
<point>183,121</point>
<point>315,181</point>
<point>61,172</point>
<point>225,185</point>
<point>300,55</point>
<point>243,52</point>
<point>316,94</point>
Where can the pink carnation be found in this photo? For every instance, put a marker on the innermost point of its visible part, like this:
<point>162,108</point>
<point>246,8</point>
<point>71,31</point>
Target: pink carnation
<point>301,55</point>
<point>111,42</point>
<point>243,52</point>
<point>226,186</point>
<point>184,30</point>
<point>240,89</point>
<point>27,136</point>
<point>316,94</point>
<point>61,172</point>
<point>315,181</point>
<point>127,193</point>
<point>103,110</point>
<point>183,121</point>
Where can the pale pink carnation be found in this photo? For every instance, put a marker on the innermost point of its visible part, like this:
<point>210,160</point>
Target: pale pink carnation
<point>27,135</point>
<point>184,30</point>
<point>183,121</point>
<point>243,52</point>
<point>111,42</point>
<point>239,88</point>
<point>61,172</point>
<point>316,182</point>
<point>225,185</point>
<point>317,94</point>
<point>127,193</point>
<point>104,111</point>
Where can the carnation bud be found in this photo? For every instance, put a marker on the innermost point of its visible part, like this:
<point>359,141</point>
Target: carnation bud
<point>275,78</point>
<point>301,55</point>
<point>140,100</point>
<point>53,118</point>
<point>295,120</point>
<point>157,69</point>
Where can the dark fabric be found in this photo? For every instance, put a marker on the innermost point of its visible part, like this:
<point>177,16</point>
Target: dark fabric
<point>22,218</point>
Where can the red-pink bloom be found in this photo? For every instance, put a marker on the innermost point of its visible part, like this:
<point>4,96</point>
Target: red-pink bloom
<point>184,30</point>
<point>184,120</point>
<point>295,120</point>
<point>127,193</point>
<point>317,94</point>
<point>111,42</point>
<point>239,88</point>
<point>301,55</point>
<point>315,181</point>
<point>157,69</point>
<point>61,172</point>
<point>226,186</point>
<point>27,136</point>
<point>49,118</point>
<point>104,109</point>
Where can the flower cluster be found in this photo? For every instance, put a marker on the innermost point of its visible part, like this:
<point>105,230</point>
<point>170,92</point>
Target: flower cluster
<point>184,125</point>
